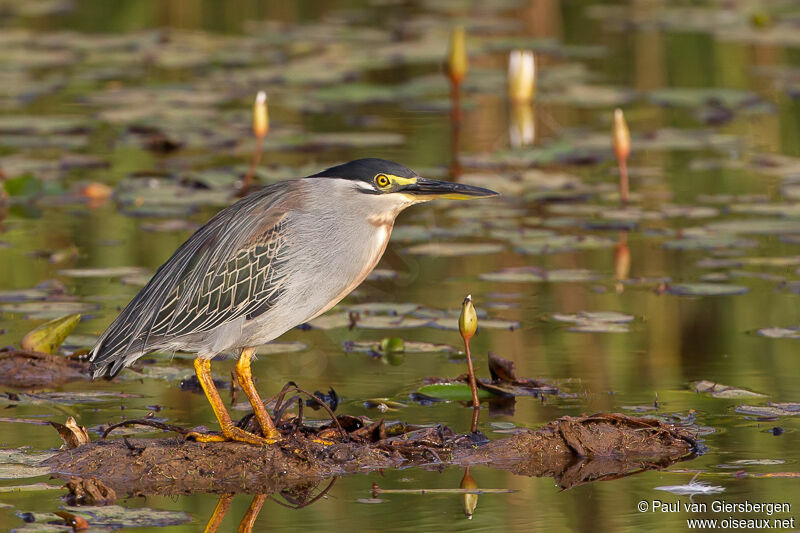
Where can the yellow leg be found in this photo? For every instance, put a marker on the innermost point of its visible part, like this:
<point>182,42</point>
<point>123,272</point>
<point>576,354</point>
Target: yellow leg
<point>249,519</point>
<point>218,515</point>
<point>202,368</point>
<point>245,378</point>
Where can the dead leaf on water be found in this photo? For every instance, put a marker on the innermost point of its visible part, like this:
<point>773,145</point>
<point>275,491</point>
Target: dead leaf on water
<point>717,390</point>
<point>71,433</point>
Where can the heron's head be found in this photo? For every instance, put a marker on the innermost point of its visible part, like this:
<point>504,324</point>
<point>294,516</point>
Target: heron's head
<point>388,183</point>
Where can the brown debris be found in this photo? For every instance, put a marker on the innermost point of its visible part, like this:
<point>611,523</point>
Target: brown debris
<point>72,434</point>
<point>577,450</point>
<point>25,369</point>
<point>573,450</point>
<point>89,491</point>
<point>504,382</point>
<point>78,523</point>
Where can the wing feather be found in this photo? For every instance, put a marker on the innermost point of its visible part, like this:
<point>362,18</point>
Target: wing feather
<point>231,268</point>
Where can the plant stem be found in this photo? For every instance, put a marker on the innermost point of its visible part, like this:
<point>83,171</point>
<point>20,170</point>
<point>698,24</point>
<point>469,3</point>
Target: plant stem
<point>623,181</point>
<point>476,404</point>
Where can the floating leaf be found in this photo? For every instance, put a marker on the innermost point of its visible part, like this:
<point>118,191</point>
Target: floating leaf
<point>710,243</point>
<point>537,275</point>
<point>383,404</point>
<point>47,309</point>
<point>696,97</point>
<point>33,487</point>
<point>771,409</point>
<point>757,226</point>
<point>280,347</point>
<point>23,295</point>
<point>596,321</point>
<point>72,434</point>
<point>408,346</point>
<point>717,390</point>
<point>48,337</point>
<point>388,308</point>
<point>451,249</point>
<point>780,333</point>
<point>113,272</point>
<point>758,462</point>
<point>452,323</point>
<point>562,243</point>
<point>706,289</point>
<point>18,464</point>
<point>392,345</point>
<point>116,516</point>
<point>454,392</point>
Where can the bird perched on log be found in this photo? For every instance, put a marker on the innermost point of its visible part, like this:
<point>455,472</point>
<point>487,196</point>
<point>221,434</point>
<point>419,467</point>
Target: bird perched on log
<point>273,260</point>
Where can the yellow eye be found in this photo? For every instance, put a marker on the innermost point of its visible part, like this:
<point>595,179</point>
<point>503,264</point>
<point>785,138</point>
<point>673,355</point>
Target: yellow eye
<point>382,180</point>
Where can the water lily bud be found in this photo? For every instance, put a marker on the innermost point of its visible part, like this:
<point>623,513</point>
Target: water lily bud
<point>260,115</point>
<point>522,126</point>
<point>457,62</point>
<point>521,76</point>
<point>470,500</point>
<point>622,136</point>
<point>468,321</point>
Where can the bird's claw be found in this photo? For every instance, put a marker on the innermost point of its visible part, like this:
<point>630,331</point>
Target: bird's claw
<point>232,434</point>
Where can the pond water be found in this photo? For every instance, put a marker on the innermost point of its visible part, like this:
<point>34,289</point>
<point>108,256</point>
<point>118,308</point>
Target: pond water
<point>154,99</point>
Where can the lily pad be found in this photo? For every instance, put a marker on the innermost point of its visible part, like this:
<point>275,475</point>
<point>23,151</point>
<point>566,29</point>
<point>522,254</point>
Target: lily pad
<point>116,516</point>
<point>706,289</point>
<point>454,249</point>
<point>408,347</point>
<point>757,226</point>
<point>717,390</point>
<point>562,243</point>
<point>538,275</point>
<point>696,97</point>
<point>19,464</point>
<point>47,309</point>
<point>710,243</point>
<point>112,272</point>
<point>596,321</point>
<point>771,409</point>
<point>280,347</point>
<point>454,392</point>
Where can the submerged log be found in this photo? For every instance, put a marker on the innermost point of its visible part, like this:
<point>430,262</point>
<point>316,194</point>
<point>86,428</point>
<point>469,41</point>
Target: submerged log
<point>572,450</point>
<point>24,369</point>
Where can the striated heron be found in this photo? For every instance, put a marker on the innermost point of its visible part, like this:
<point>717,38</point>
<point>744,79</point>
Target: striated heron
<point>275,259</point>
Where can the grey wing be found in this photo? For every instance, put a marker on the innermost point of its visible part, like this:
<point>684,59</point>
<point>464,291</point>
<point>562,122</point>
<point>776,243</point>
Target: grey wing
<point>245,285</point>
<point>228,270</point>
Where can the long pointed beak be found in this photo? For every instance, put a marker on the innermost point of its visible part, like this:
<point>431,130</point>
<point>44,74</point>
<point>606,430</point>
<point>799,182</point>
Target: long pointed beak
<point>424,187</point>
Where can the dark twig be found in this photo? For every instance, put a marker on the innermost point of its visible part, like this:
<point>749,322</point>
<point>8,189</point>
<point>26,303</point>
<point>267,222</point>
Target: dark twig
<point>287,388</point>
<point>309,502</point>
<point>145,422</point>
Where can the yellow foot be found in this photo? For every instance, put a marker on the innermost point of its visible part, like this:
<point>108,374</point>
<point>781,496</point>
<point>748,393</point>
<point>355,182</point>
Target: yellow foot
<point>233,434</point>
